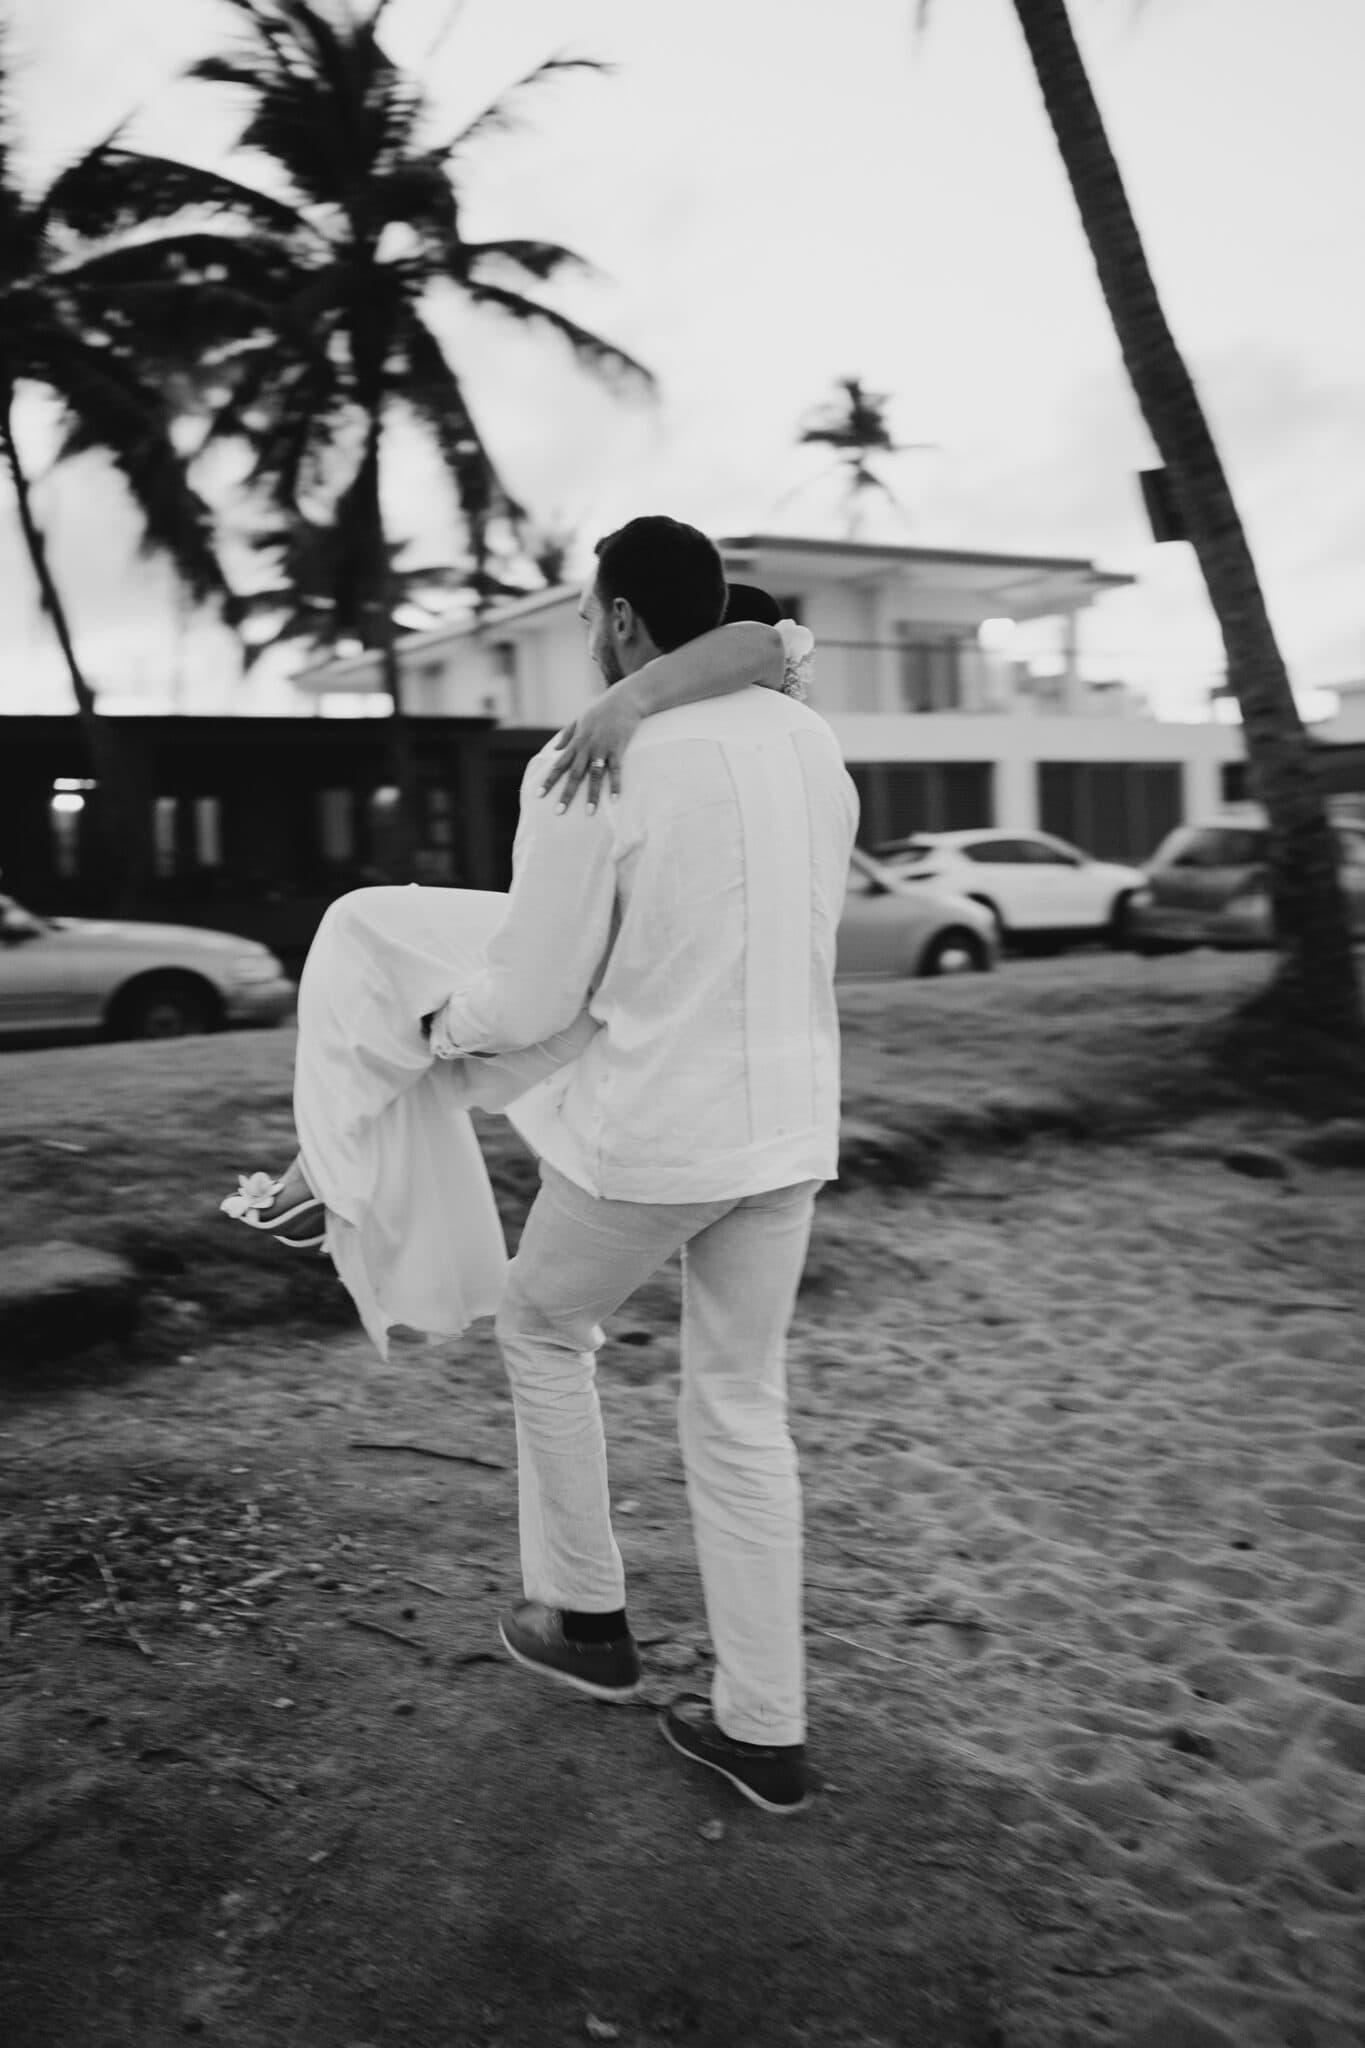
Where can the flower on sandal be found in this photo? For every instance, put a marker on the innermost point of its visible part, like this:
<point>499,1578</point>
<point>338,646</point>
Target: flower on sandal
<point>255,1191</point>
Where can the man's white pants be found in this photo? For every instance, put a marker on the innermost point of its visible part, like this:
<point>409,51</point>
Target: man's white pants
<point>579,1259</point>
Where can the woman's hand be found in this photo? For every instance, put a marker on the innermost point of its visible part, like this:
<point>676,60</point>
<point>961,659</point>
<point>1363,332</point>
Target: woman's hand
<point>591,747</point>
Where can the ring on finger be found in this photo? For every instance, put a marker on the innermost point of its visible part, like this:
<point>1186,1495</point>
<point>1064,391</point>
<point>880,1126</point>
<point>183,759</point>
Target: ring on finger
<point>598,765</point>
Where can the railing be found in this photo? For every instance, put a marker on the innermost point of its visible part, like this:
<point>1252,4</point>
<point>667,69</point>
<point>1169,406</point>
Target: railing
<point>951,674</point>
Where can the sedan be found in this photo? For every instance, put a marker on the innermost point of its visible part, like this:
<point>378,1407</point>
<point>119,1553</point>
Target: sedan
<point>889,928</point>
<point>1206,885</point>
<point>78,975</point>
<point>1033,886</point>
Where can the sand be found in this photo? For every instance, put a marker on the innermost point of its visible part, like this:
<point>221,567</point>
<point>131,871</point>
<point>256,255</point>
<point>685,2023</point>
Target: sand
<point>1107,1409</point>
<point>1082,1433</point>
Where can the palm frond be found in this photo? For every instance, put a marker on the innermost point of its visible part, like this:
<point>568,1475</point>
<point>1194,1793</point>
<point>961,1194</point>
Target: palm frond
<point>589,349</point>
<point>539,260</point>
<point>196,306</point>
<point>267,384</point>
<point>305,413</point>
<point>433,393</point>
<point>112,191</point>
<point>261,268</point>
<point>503,115</point>
<point>6,115</point>
<point>109,408</point>
<point>217,70</point>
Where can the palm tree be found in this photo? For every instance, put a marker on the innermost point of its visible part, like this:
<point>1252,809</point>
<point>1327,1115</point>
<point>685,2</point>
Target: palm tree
<point>351,146</point>
<point>311,604</point>
<point>68,332</point>
<point>855,423</point>
<point>1315,990</point>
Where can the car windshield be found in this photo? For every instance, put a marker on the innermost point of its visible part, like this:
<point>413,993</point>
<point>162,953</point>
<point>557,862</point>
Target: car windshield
<point>1218,846</point>
<point>905,851</point>
<point>16,922</point>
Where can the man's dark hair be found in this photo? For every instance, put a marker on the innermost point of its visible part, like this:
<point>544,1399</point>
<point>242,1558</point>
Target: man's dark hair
<point>670,573</point>
<point>747,601</point>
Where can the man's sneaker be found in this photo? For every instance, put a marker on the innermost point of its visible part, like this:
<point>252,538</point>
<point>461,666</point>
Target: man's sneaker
<point>534,1636</point>
<point>773,1778</point>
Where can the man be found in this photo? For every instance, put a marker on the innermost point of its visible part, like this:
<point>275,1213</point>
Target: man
<point>697,916</point>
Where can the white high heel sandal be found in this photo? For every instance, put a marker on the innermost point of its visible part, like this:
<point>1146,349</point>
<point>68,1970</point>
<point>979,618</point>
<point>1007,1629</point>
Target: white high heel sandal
<point>256,1192</point>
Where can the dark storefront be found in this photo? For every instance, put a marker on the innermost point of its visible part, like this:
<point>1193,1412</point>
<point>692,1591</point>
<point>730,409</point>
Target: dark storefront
<point>254,825</point>
<point>902,797</point>
<point>1115,810</point>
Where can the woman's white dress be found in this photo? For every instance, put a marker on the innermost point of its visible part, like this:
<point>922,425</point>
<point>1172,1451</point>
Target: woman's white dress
<point>385,1136</point>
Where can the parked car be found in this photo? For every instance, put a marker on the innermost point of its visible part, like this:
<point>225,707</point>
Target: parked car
<point>1206,884</point>
<point>1034,886</point>
<point>78,976</point>
<point>890,928</point>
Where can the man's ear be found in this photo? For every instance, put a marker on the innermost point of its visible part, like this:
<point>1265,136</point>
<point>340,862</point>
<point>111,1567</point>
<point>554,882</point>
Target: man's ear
<point>623,621</point>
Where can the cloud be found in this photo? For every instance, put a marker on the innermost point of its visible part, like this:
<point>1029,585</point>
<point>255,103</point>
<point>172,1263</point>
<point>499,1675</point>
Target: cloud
<point>782,193</point>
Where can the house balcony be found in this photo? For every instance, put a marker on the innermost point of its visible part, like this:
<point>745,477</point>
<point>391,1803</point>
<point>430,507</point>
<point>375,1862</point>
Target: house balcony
<point>956,675</point>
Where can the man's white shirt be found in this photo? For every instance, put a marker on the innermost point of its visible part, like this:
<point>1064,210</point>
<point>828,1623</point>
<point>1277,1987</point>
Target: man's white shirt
<point>696,915</point>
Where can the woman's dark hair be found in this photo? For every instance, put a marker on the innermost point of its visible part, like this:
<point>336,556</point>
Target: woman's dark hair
<point>670,573</point>
<point>747,601</point>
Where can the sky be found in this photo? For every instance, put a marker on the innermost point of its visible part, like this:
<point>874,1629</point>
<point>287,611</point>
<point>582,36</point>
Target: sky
<point>777,193</point>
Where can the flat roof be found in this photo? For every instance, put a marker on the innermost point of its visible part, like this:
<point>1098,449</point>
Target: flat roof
<point>869,552</point>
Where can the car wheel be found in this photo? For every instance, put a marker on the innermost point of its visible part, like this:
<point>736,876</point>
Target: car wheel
<point>163,1006</point>
<point>956,951</point>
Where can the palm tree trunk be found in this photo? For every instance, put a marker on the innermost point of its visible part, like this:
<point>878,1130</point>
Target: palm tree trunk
<point>402,765</point>
<point>1316,984</point>
<point>119,833</point>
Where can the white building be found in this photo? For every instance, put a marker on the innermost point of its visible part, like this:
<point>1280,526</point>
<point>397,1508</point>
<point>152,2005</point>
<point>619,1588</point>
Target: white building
<point>1346,726</point>
<point>954,681</point>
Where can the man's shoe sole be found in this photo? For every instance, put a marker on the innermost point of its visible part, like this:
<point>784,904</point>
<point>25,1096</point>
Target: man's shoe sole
<point>623,1693</point>
<point>711,1764</point>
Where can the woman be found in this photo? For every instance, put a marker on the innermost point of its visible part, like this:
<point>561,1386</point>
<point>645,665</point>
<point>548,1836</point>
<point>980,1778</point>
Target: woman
<point>389,1179</point>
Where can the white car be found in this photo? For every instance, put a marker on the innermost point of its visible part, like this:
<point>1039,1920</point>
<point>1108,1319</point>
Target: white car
<point>890,929</point>
<point>77,976</point>
<point>1034,886</point>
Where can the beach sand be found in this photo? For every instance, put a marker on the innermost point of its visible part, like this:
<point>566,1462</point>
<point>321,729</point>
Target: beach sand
<point>1082,1441</point>
<point>1106,1416</point>
<point>1082,1435</point>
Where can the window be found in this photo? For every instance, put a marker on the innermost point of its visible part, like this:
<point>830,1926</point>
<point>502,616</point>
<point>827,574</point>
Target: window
<point>1114,810</point>
<point>66,841</point>
<point>17,923</point>
<point>440,811</point>
<point>906,851</point>
<point>901,799</point>
<point>997,853</point>
<point>336,824</point>
<point>165,833</point>
<point>208,831</point>
<point>1221,846</point>
<point>930,669</point>
<point>1041,853</point>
